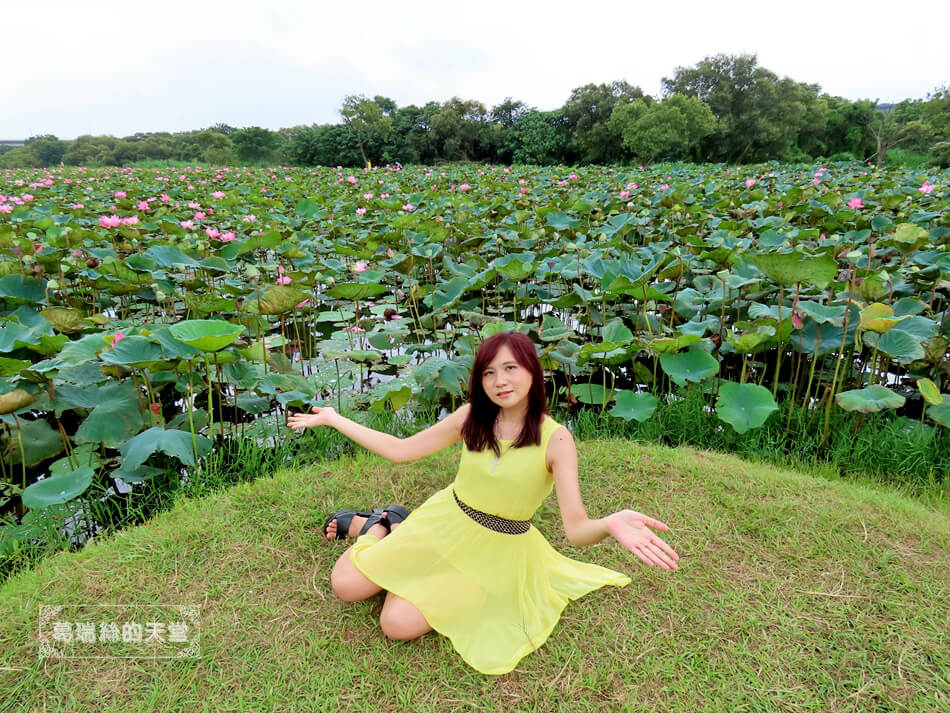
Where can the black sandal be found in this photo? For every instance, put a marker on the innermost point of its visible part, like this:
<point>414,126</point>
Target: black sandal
<point>343,519</point>
<point>394,515</point>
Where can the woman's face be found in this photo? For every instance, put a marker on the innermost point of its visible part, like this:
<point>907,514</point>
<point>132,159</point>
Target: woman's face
<point>506,382</point>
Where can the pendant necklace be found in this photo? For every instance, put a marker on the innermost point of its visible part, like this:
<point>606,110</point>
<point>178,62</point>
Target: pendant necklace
<point>495,462</point>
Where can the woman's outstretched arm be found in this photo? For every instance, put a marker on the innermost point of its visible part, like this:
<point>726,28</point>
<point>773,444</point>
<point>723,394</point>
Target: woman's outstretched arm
<point>631,529</point>
<point>398,450</point>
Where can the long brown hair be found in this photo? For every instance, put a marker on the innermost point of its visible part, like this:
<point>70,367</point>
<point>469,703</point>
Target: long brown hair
<point>478,431</point>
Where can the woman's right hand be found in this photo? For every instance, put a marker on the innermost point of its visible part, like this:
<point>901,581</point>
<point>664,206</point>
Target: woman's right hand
<point>318,416</point>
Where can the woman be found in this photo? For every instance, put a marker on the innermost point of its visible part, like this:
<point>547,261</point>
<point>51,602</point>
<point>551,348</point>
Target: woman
<point>467,562</point>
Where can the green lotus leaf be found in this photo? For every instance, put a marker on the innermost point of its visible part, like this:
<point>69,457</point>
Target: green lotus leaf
<point>898,345</point>
<point>671,345</point>
<point>38,439</point>
<point>636,406</point>
<point>115,418</point>
<point>823,314</point>
<point>870,399</point>
<point>592,393</point>
<point>941,412</point>
<point>177,444</point>
<point>692,365</point>
<point>561,221</point>
<point>207,335</point>
<point>204,304</point>
<point>516,266</point>
<point>362,356</point>
<point>744,406</point>
<point>135,351</point>
<point>356,290</point>
<point>20,287</point>
<point>930,392</point>
<point>65,319</point>
<point>553,329</point>
<point>616,332</point>
<point>791,268</point>
<point>446,294</point>
<point>57,489</point>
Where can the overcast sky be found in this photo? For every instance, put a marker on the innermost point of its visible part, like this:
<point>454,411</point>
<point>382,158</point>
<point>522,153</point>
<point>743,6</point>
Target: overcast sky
<point>108,67</point>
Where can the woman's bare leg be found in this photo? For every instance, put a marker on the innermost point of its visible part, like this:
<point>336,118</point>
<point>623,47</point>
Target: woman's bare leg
<point>348,583</point>
<point>401,620</point>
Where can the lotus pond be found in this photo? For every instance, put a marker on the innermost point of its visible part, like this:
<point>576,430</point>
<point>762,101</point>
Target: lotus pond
<point>146,314</point>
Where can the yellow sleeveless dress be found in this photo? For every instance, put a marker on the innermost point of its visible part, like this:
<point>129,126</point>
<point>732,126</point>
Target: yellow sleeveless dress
<point>496,596</point>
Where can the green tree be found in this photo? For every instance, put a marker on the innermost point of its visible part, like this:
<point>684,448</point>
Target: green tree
<point>537,137</point>
<point>47,148</point>
<point>411,140</point>
<point>670,129</point>
<point>254,144</point>
<point>89,150</point>
<point>365,118</point>
<point>759,116</point>
<point>19,157</point>
<point>509,111</point>
<point>587,112</point>
<point>460,131</point>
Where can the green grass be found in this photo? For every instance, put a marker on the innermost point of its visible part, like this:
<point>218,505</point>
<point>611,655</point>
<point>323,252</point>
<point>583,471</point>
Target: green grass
<point>795,593</point>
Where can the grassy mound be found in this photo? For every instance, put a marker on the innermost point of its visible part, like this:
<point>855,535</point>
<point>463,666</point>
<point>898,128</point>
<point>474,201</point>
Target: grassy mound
<point>794,593</point>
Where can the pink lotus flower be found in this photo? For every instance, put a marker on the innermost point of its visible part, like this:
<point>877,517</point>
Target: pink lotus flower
<point>143,205</point>
<point>368,196</point>
<point>816,180</point>
<point>194,205</point>
<point>119,194</point>
<point>359,266</point>
<point>573,177</point>
<point>283,280</point>
<point>218,194</point>
<point>465,187</point>
<point>110,221</point>
<point>409,207</point>
<point>228,237</point>
<point>212,232</point>
<point>131,220</point>
<point>389,252</point>
<point>749,182</point>
<point>624,194</point>
<point>116,338</point>
<point>352,179</point>
<point>797,320</point>
<point>199,215</point>
<point>855,203</point>
<point>186,224</point>
<point>926,188</point>
<point>562,183</point>
<point>361,211</point>
<point>77,206</point>
<point>249,218</point>
<point>664,186</point>
<point>6,208</point>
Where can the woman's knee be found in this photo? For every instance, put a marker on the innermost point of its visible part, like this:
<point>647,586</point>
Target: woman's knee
<point>349,584</point>
<point>401,620</point>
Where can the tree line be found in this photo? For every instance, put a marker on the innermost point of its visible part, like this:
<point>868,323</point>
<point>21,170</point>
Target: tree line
<point>727,108</point>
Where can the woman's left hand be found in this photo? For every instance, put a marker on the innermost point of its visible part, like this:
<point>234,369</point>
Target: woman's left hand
<point>632,530</point>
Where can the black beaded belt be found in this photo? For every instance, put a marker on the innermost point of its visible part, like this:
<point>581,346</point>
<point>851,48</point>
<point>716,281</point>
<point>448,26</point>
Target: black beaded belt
<point>493,522</point>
